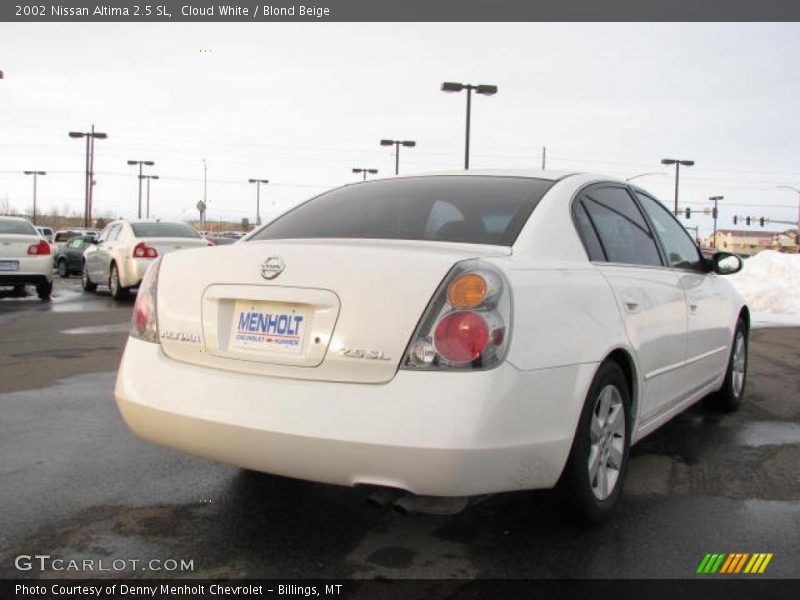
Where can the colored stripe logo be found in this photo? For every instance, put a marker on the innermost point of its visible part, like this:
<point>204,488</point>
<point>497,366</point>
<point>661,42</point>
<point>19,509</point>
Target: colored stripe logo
<point>733,563</point>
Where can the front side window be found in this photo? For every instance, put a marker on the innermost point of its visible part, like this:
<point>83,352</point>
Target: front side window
<point>467,209</point>
<point>620,227</point>
<point>679,247</point>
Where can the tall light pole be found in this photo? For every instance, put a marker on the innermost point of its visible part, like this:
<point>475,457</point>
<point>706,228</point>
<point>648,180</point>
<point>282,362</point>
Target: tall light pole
<point>677,162</point>
<point>365,171</point>
<point>397,144</point>
<point>35,176</point>
<point>715,214</point>
<point>486,90</point>
<point>258,183</point>
<point>797,191</point>
<point>90,136</point>
<point>141,164</point>
<point>148,178</point>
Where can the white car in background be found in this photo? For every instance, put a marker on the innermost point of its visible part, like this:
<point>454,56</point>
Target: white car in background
<point>448,335</point>
<point>25,257</point>
<point>122,253</point>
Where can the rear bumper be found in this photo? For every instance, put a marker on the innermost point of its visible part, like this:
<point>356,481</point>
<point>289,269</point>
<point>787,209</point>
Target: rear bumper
<point>32,270</point>
<point>444,434</point>
<point>23,279</point>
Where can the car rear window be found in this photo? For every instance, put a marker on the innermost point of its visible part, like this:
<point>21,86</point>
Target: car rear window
<point>469,209</point>
<point>149,230</point>
<point>17,227</point>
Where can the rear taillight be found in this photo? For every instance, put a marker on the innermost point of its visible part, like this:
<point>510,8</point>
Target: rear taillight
<point>142,250</point>
<point>144,323</point>
<point>39,249</point>
<point>466,323</point>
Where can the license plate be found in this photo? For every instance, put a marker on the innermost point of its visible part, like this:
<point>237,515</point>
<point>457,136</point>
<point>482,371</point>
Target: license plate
<point>9,265</point>
<point>268,327</point>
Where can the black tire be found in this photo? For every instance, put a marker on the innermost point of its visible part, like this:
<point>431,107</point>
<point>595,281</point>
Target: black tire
<point>86,283</point>
<point>583,492</point>
<point>117,291</point>
<point>43,290</point>
<point>63,269</point>
<point>729,396</point>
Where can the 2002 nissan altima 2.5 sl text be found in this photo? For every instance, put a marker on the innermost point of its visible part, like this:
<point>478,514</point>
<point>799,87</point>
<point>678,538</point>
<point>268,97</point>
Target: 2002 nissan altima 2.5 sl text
<point>447,335</point>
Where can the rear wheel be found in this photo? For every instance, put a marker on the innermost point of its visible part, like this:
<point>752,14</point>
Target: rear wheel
<point>63,270</point>
<point>592,480</point>
<point>117,291</point>
<point>86,282</point>
<point>729,397</point>
<point>43,290</point>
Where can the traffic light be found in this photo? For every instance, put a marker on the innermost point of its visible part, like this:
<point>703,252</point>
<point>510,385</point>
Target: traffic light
<point>688,212</point>
<point>747,220</point>
<point>761,221</point>
<point>735,219</point>
<point>714,212</point>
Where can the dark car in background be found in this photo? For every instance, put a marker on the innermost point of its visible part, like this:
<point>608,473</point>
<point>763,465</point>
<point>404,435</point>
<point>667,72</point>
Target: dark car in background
<point>68,257</point>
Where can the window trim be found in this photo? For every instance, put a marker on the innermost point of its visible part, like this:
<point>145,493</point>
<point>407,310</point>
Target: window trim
<point>578,197</point>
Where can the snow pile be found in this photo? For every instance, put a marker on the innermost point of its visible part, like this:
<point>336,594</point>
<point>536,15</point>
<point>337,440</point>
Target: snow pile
<point>770,284</point>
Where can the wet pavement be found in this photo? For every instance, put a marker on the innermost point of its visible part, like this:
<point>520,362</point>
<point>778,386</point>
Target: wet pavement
<point>77,485</point>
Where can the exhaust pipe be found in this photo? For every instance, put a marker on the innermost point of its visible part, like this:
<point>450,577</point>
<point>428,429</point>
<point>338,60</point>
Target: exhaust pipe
<point>431,505</point>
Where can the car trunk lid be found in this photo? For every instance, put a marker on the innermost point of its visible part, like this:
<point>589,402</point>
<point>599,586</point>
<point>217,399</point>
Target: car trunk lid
<point>337,310</point>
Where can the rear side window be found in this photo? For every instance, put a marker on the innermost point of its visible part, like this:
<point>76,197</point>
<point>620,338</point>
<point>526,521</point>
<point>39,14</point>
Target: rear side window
<point>469,209</point>
<point>620,227</point>
<point>150,230</point>
<point>17,227</point>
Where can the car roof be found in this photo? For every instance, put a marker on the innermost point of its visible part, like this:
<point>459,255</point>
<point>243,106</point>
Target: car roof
<point>552,175</point>
<point>9,218</point>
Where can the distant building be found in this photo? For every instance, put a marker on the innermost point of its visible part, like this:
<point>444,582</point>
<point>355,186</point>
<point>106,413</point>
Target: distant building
<point>752,241</point>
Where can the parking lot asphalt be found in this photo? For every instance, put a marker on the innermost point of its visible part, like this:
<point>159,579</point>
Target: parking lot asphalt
<point>77,485</point>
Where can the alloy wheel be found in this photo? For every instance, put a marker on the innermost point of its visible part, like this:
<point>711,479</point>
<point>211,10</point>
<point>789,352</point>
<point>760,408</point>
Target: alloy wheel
<point>607,442</point>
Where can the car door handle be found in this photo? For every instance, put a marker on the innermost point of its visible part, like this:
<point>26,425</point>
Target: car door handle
<point>692,307</point>
<point>631,303</point>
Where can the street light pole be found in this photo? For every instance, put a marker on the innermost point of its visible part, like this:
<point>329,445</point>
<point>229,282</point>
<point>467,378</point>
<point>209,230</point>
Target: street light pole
<point>258,183</point>
<point>141,164</point>
<point>486,90</point>
<point>90,137</point>
<point>397,144</point>
<point>148,178</point>
<point>35,176</point>
<point>677,162</point>
<point>364,170</point>
<point>715,199</point>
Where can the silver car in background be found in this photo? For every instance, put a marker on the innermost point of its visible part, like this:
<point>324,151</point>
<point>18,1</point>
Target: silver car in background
<point>122,253</point>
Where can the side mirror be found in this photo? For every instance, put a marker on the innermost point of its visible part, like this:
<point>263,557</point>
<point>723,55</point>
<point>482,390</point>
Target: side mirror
<point>725,263</point>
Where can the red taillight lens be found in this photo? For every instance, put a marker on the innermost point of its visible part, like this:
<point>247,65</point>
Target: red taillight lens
<point>39,249</point>
<point>461,337</point>
<point>142,250</point>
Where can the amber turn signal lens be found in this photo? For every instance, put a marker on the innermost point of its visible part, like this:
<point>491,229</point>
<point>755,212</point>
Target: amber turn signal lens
<point>468,291</point>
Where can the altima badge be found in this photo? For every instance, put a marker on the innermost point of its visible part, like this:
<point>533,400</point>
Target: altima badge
<point>272,267</point>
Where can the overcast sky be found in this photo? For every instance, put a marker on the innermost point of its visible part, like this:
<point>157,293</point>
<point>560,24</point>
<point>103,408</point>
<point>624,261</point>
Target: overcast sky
<point>302,104</point>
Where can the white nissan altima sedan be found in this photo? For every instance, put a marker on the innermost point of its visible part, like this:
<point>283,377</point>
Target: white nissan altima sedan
<point>446,335</point>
